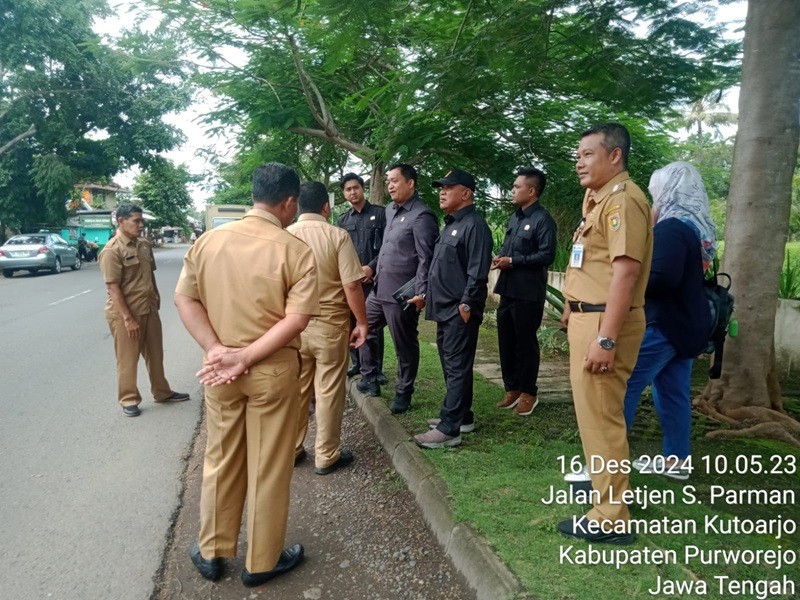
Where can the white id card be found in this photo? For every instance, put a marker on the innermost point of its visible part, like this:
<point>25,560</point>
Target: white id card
<point>576,258</point>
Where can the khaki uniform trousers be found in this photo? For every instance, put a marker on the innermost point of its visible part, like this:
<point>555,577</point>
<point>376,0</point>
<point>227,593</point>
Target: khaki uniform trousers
<point>251,424</point>
<point>149,344</point>
<point>599,401</point>
<point>324,357</point>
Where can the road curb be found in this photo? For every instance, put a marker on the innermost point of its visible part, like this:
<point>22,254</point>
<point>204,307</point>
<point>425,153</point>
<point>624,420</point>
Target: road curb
<point>468,550</point>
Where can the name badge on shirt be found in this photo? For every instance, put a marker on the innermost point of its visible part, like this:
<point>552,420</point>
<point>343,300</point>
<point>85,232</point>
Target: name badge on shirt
<point>455,231</point>
<point>372,218</point>
<point>576,258</point>
<point>402,219</point>
<point>527,227</point>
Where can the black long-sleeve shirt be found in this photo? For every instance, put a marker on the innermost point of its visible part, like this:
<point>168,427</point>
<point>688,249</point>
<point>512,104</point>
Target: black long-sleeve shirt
<point>407,247</point>
<point>531,243</point>
<point>366,230</point>
<point>460,267</point>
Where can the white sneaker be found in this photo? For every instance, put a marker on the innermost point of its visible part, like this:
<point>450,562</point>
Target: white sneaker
<point>579,477</point>
<point>658,465</point>
<point>465,427</point>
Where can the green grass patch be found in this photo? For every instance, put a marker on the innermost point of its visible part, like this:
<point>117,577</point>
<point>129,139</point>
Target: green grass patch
<point>501,473</point>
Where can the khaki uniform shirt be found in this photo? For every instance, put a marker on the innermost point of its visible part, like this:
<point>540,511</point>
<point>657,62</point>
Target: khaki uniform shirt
<point>249,274</point>
<point>616,223</point>
<point>337,264</point>
<point>130,263</point>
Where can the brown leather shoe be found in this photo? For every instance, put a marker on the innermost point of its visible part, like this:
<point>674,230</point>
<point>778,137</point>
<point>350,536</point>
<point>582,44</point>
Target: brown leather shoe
<point>526,404</point>
<point>509,401</point>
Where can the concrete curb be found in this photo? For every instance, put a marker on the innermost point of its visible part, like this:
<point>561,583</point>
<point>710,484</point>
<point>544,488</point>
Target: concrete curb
<point>468,550</point>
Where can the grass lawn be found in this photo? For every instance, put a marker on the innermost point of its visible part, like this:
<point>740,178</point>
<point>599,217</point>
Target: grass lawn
<point>502,472</point>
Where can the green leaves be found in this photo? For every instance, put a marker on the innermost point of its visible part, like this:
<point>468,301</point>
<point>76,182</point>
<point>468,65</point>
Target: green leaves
<point>93,109</point>
<point>163,190</point>
<point>441,83</point>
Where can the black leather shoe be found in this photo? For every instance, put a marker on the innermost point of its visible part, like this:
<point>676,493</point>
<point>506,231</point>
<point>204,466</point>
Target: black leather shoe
<point>131,411</point>
<point>289,559</point>
<point>353,371</point>
<point>584,529</point>
<point>175,397</point>
<point>345,458</point>
<point>400,404</point>
<point>370,388</point>
<point>210,569</point>
<point>382,379</point>
<point>300,457</point>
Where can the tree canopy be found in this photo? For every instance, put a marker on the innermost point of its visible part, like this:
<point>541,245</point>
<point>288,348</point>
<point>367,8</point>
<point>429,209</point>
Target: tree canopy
<point>486,86</point>
<point>73,108</point>
<point>163,190</point>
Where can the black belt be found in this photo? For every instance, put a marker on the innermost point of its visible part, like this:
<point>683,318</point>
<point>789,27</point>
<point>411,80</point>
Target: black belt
<point>585,307</point>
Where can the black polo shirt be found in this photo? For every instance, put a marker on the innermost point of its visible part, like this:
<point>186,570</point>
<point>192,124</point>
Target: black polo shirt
<point>366,231</point>
<point>531,243</point>
<point>460,267</point>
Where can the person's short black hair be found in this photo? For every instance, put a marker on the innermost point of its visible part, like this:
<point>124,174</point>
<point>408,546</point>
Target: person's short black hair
<point>350,177</point>
<point>124,211</point>
<point>406,170</point>
<point>274,182</point>
<point>313,196</point>
<point>615,135</point>
<point>537,175</point>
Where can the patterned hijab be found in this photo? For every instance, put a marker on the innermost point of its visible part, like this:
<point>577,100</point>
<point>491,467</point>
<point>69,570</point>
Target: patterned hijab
<point>678,193</point>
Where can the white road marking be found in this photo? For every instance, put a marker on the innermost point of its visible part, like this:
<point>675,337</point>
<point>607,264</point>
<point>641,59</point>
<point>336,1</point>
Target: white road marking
<point>69,298</point>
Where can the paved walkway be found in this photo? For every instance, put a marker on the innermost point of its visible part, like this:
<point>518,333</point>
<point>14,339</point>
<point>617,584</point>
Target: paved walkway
<point>553,378</point>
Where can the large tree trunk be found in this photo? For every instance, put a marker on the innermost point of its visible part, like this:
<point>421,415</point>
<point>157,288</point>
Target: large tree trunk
<point>377,184</point>
<point>758,207</point>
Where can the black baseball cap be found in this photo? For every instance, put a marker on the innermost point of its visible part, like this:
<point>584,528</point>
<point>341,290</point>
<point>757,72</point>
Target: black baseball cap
<point>455,177</point>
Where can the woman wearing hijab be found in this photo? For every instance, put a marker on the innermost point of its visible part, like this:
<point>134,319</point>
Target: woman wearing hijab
<point>678,314</point>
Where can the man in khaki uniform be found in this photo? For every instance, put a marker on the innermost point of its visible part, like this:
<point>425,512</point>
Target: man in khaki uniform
<point>247,290</point>
<point>605,285</point>
<point>128,269</point>
<point>324,352</point>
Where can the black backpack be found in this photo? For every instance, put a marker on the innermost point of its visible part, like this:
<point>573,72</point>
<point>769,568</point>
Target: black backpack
<point>720,301</point>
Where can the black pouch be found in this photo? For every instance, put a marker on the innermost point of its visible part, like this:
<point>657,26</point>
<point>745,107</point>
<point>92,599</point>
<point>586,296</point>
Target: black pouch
<point>404,293</point>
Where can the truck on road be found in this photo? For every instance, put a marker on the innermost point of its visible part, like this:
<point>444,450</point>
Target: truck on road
<point>219,214</point>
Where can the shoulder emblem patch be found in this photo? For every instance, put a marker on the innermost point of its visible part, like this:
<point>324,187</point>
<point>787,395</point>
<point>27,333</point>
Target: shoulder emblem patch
<point>618,188</point>
<point>614,221</point>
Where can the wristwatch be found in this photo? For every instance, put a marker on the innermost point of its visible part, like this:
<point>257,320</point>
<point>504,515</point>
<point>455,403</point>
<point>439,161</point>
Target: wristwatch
<point>465,307</point>
<point>606,343</point>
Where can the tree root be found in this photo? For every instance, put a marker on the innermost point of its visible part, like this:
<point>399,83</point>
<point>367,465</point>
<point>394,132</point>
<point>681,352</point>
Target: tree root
<point>707,408</point>
<point>751,422</point>
<point>763,415</point>
<point>775,431</point>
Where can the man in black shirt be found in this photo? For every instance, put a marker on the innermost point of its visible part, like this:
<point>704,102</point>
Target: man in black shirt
<point>365,223</point>
<point>405,255</point>
<point>456,298</point>
<point>528,249</point>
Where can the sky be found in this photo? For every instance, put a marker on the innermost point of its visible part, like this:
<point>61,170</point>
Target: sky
<point>197,139</point>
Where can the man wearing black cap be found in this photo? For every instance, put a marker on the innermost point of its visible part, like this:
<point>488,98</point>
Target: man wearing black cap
<point>528,249</point>
<point>456,298</point>
<point>405,255</point>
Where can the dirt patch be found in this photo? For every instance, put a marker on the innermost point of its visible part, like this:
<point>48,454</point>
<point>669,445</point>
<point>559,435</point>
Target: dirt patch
<point>362,530</point>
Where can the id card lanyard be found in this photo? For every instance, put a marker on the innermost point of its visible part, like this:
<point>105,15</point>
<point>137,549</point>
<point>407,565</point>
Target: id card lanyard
<point>576,256</point>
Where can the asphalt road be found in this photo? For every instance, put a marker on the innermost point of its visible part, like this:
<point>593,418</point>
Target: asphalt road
<point>86,495</point>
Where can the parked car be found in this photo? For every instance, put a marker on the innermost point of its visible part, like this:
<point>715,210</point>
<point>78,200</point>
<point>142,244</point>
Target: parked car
<point>34,251</point>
